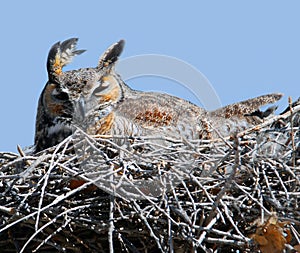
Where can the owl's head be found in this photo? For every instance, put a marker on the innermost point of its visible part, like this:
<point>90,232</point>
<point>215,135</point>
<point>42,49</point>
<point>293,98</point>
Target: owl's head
<point>74,93</point>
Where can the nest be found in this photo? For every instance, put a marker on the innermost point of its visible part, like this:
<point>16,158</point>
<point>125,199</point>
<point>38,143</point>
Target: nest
<point>153,194</point>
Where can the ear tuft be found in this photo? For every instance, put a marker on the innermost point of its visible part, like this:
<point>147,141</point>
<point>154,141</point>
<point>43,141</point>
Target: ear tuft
<point>112,54</point>
<point>61,54</point>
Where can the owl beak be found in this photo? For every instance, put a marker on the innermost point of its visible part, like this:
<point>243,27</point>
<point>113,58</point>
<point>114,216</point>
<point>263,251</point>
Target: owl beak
<point>80,110</point>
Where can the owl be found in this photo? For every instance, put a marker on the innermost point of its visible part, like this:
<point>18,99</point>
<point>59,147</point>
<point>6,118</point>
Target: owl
<point>98,101</point>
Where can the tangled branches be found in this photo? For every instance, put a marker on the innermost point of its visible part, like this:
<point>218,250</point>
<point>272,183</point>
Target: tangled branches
<point>149,194</point>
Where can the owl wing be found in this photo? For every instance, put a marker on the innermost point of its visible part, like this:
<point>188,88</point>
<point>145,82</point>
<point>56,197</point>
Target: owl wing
<point>158,112</point>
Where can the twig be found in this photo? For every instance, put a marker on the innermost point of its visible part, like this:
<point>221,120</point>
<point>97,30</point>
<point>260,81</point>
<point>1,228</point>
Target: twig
<point>292,131</point>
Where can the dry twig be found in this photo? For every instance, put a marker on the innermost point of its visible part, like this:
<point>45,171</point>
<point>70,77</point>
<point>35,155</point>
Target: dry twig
<point>187,196</point>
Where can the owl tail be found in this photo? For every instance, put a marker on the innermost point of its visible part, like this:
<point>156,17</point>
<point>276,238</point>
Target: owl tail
<point>248,107</point>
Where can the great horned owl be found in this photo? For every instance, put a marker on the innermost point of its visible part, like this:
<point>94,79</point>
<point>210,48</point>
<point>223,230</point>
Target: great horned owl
<point>100,100</point>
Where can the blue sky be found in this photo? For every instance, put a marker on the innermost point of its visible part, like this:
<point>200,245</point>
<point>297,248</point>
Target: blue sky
<point>244,48</point>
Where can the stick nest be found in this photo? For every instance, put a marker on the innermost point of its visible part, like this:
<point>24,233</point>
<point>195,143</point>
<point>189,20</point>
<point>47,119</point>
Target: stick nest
<point>153,194</point>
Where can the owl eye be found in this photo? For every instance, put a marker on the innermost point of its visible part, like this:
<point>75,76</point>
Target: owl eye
<point>59,94</point>
<point>104,83</point>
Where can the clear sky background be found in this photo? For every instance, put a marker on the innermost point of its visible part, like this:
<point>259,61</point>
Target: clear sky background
<point>244,48</point>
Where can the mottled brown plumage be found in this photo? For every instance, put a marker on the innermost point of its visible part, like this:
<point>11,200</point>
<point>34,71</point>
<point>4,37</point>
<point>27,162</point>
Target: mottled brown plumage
<point>98,101</point>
